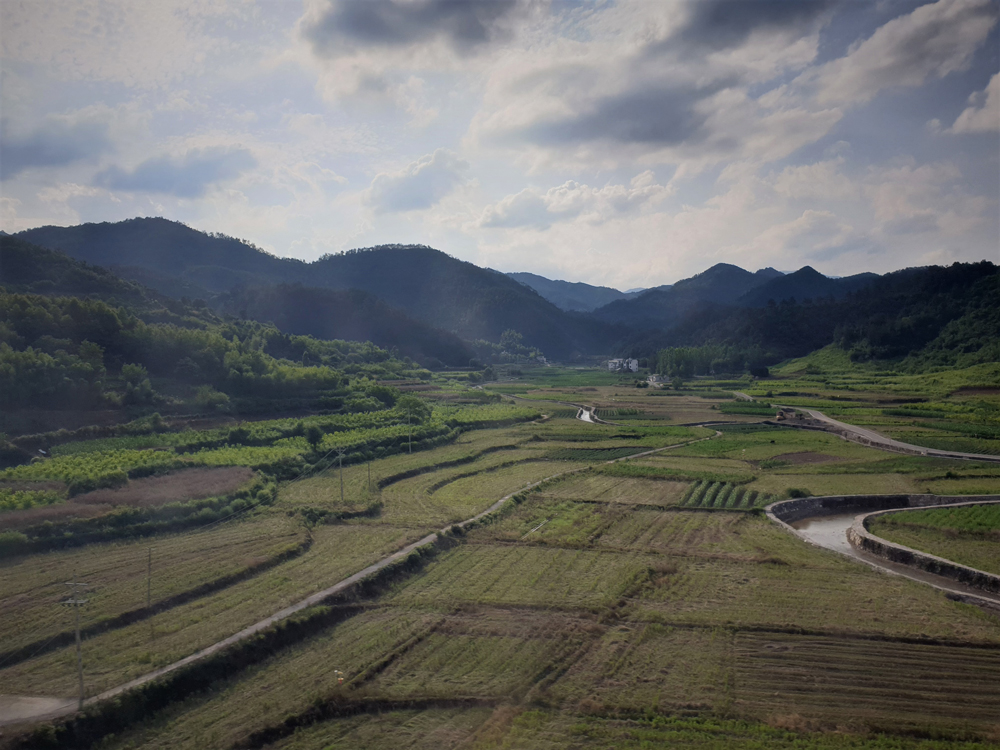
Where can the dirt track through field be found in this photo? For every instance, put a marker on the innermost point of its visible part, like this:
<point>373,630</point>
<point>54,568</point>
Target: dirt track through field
<point>316,599</point>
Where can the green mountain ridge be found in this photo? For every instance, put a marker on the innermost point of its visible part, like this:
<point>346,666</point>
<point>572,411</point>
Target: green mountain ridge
<point>427,284</point>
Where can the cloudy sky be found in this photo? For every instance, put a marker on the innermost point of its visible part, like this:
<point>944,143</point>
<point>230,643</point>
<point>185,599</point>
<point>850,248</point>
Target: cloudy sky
<point>620,143</point>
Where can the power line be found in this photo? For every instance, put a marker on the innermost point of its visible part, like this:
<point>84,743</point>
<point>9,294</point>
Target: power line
<point>76,602</point>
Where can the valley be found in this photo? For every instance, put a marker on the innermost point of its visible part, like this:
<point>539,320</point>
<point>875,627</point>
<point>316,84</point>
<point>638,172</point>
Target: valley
<point>581,608</point>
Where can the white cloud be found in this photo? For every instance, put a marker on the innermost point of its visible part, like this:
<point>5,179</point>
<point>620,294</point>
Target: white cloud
<point>667,92</point>
<point>419,185</point>
<point>571,200</point>
<point>136,44</point>
<point>934,40</point>
<point>983,113</point>
<point>822,180</point>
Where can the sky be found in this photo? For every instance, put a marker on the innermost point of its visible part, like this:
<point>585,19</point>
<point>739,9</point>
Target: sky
<point>626,144</point>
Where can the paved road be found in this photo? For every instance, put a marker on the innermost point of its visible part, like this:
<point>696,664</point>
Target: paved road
<point>877,440</point>
<point>45,707</point>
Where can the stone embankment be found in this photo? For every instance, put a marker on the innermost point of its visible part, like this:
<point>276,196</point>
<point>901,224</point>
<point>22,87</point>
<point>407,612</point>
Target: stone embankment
<point>866,507</point>
<point>860,538</point>
<point>790,511</point>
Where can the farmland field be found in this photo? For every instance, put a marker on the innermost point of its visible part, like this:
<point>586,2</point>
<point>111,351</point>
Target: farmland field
<point>636,604</point>
<point>967,535</point>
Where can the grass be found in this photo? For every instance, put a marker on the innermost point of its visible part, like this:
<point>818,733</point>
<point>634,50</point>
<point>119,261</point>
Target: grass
<point>548,729</point>
<point>113,658</point>
<point>33,585</point>
<point>607,488</point>
<point>523,576</point>
<point>968,535</point>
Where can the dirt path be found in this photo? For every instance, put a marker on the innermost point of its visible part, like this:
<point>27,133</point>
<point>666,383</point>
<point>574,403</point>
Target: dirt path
<point>584,413</point>
<point>52,708</point>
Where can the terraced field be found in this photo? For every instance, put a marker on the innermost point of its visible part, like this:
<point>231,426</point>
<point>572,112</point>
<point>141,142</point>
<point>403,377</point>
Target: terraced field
<point>641,604</point>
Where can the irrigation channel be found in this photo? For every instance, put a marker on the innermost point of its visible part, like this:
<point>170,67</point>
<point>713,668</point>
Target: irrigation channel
<point>18,709</point>
<point>831,532</point>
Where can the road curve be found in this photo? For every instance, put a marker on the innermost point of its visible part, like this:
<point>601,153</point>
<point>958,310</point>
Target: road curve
<point>312,600</point>
<point>874,439</point>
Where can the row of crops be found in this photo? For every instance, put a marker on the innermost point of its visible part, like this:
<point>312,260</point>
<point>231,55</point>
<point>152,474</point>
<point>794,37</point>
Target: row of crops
<point>976,518</point>
<point>594,454</point>
<point>724,495</point>
<point>271,446</point>
<point>617,413</point>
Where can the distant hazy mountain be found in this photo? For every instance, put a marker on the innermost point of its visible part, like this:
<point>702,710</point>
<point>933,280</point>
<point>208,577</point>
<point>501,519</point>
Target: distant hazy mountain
<point>425,283</point>
<point>351,315</point>
<point>575,296</point>
<point>806,283</point>
<point>721,284</point>
<point>917,317</point>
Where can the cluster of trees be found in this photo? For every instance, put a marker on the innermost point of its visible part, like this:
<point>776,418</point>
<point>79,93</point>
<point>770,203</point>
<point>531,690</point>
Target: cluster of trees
<point>59,351</point>
<point>510,348</point>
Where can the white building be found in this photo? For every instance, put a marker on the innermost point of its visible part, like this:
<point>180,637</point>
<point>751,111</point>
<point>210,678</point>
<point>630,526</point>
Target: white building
<point>623,365</point>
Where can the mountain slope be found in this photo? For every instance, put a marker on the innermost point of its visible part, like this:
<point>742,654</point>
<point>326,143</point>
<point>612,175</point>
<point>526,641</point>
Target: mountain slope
<point>933,316</point>
<point>30,269</point>
<point>806,283</point>
<point>216,262</point>
<point>425,283</point>
<point>351,315</point>
<point>664,308</point>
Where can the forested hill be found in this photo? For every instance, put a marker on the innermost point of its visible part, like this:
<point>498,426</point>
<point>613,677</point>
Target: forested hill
<point>353,315</point>
<point>322,313</point>
<point>171,249</point>
<point>74,337</point>
<point>664,307</point>
<point>917,317</point>
<point>444,292</point>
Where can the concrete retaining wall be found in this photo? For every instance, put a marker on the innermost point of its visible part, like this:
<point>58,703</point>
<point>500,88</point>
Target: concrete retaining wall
<point>790,511</point>
<point>860,538</point>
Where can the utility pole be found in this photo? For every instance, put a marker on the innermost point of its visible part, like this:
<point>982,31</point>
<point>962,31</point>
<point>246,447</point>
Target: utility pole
<point>409,430</point>
<point>76,602</point>
<point>340,455</point>
<point>149,580</point>
<point>369,473</point>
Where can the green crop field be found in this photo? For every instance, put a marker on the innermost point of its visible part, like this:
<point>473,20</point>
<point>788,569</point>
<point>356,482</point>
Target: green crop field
<point>967,535</point>
<point>642,603</point>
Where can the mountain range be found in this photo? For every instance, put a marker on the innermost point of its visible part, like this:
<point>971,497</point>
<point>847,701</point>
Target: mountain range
<point>434,308</point>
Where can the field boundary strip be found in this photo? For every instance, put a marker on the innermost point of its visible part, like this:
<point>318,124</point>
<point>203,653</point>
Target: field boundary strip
<point>338,588</point>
